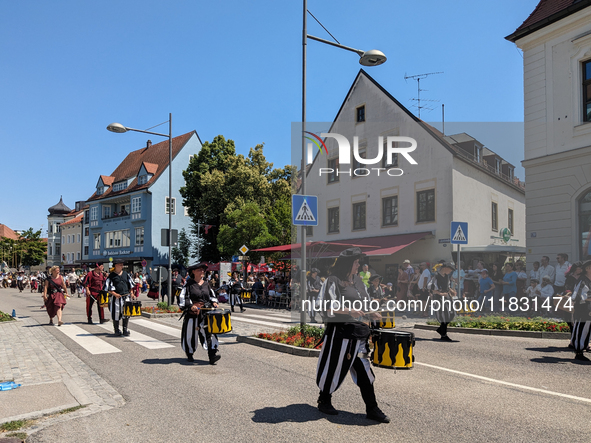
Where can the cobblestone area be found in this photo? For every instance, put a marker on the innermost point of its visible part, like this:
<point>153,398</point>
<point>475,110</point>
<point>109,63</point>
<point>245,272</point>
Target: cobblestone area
<point>30,355</point>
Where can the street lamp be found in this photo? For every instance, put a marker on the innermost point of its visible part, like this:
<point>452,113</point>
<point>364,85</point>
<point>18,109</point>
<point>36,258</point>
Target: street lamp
<point>366,58</point>
<point>120,129</point>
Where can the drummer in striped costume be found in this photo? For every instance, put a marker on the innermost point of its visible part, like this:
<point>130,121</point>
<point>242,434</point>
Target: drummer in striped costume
<point>119,284</point>
<point>581,300</point>
<point>197,294</point>
<point>441,291</point>
<point>345,347</point>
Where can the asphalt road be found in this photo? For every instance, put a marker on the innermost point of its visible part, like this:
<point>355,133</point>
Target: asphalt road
<point>482,388</point>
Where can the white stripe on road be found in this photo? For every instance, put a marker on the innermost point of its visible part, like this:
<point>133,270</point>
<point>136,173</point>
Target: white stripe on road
<point>259,322</point>
<point>266,317</point>
<point>88,341</point>
<point>158,327</point>
<point>141,339</point>
<point>514,385</point>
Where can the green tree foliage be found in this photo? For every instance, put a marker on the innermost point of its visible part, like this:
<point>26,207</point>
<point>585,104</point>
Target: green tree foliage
<point>244,198</point>
<point>29,250</point>
<point>182,253</point>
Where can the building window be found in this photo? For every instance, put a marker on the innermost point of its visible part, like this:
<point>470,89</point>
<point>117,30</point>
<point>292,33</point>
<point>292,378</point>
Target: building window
<point>510,220</point>
<point>136,204</point>
<point>385,163</point>
<point>58,249</point>
<point>333,220</point>
<point>358,216</point>
<point>495,216</point>
<point>86,218</point>
<point>309,231</point>
<point>585,225</point>
<point>477,151</point>
<point>426,206</point>
<point>78,238</point>
<point>117,239</point>
<point>94,213</point>
<point>357,164</point>
<point>50,250</point>
<point>139,236</point>
<point>77,256</point>
<point>119,186</point>
<point>166,205</point>
<point>64,239</point>
<point>497,166</point>
<point>360,113</point>
<point>58,227</point>
<point>85,250</point>
<point>107,211</point>
<point>50,228</point>
<point>587,91</point>
<point>390,211</point>
<point>96,241</point>
<point>333,164</point>
<point>85,232</point>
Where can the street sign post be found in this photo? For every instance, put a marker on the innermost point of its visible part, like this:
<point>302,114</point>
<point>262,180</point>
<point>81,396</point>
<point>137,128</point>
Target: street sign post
<point>304,210</point>
<point>459,236</point>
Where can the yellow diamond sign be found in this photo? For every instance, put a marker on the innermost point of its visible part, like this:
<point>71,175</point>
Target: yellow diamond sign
<point>244,249</point>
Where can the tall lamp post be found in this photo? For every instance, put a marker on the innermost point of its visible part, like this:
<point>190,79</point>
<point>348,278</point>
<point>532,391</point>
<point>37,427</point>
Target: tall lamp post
<point>366,58</point>
<point>120,129</point>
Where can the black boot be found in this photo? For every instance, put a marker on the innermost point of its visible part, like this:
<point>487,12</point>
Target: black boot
<point>324,404</point>
<point>117,330</point>
<point>579,356</point>
<point>213,357</point>
<point>90,321</point>
<point>376,414</point>
<point>125,330</point>
<point>190,357</point>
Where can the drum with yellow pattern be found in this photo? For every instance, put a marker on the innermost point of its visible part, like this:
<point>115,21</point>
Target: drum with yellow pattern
<point>393,349</point>
<point>218,321</point>
<point>132,308</point>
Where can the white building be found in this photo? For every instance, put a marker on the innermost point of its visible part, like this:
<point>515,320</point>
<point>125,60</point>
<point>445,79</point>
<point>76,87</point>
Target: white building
<point>556,44</point>
<point>405,215</point>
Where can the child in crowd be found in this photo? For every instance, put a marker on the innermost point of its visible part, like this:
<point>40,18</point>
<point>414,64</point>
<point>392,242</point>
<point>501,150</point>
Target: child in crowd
<point>487,288</point>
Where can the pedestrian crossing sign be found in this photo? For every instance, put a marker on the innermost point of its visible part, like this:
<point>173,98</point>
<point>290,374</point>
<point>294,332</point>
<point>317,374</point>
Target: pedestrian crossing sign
<point>459,233</point>
<point>304,209</point>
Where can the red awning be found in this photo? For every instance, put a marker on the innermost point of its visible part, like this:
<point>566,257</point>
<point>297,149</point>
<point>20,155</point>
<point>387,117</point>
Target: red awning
<point>310,244</point>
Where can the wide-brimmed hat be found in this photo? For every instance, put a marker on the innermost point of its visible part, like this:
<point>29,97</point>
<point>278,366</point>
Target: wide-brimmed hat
<point>352,252</point>
<point>448,265</point>
<point>96,265</point>
<point>374,276</point>
<point>118,261</point>
<point>406,262</point>
<point>314,270</point>
<point>585,264</point>
<point>199,265</point>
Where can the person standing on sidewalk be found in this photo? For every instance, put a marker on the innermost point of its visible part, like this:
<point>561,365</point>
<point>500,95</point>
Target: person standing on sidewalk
<point>581,298</point>
<point>119,284</point>
<point>236,287</point>
<point>94,283</point>
<point>313,286</point>
<point>561,269</point>
<point>54,295</point>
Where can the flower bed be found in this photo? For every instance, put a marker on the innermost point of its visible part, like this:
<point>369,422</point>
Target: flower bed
<point>157,310</point>
<point>536,324</point>
<point>5,317</point>
<point>296,336</point>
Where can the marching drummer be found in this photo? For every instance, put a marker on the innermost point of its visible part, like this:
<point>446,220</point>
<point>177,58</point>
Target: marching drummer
<point>119,284</point>
<point>196,295</point>
<point>236,287</point>
<point>440,288</point>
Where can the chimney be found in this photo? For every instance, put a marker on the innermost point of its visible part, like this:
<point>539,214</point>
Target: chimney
<point>148,143</point>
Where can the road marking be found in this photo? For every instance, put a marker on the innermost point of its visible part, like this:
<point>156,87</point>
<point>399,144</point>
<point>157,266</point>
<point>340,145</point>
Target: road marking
<point>259,322</point>
<point>287,319</point>
<point>88,341</point>
<point>168,330</point>
<point>506,383</point>
<point>143,340</point>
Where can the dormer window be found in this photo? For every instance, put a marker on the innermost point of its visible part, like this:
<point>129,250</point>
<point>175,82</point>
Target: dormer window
<point>100,190</point>
<point>142,179</point>
<point>120,186</point>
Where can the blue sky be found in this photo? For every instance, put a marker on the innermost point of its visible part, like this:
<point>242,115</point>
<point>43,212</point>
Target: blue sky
<point>69,68</point>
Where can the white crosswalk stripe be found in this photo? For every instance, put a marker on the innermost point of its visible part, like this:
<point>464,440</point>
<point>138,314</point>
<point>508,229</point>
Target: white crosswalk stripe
<point>88,341</point>
<point>141,339</point>
<point>173,332</point>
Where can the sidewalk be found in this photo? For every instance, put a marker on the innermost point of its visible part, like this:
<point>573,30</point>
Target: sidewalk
<point>52,377</point>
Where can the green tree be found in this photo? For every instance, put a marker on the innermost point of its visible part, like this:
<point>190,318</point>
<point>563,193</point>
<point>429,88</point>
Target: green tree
<point>33,248</point>
<point>182,253</point>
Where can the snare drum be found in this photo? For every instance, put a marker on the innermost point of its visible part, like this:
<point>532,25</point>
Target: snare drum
<point>132,308</point>
<point>393,349</point>
<point>387,320</point>
<point>103,299</point>
<point>218,321</point>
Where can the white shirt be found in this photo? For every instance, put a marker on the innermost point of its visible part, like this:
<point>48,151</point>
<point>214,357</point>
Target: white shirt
<point>534,274</point>
<point>424,279</point>
<point>549,271</point>
<point>546,291</point>
<point>560,279</point>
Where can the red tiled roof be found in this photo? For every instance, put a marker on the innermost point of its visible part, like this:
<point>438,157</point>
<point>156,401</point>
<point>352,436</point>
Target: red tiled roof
<point>156,155</point>
<point>151,168</point>
<point>5,231</point>
<point>107,180</point>
<point>75,220</point>
<point>547,11</point>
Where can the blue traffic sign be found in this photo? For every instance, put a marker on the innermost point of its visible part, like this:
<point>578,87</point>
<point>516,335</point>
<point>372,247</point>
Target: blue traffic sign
<point>459,233</point>
<point>304,210</point>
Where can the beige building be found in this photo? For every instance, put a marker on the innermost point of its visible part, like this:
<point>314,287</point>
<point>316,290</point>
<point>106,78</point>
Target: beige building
<point>404,210</point>
<point>556,44</point>
<point>71,232</point>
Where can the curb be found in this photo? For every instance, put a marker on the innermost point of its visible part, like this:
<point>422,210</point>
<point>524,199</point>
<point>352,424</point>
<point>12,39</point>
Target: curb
<point>501,332</point>
<point>151,315</point>
<point>281,347</point>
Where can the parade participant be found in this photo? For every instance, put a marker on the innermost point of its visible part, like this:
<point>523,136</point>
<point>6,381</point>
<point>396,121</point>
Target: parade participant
<point>571,279</point>
<point>581,299</point>
<point>72,279</point>
<point>94,283</point>
<point>119,284</point>
<point>195,295</point>
<point>346,337</point>
<point>177,284</point>
<point>20,281</point>
<point>54,295</point>
<point>440,290</point>
<point>236,286</point>
<point>313,286</point>
<point>34,282</point>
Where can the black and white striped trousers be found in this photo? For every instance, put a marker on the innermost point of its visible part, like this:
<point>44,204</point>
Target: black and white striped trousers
<point>195,328</point>
<point>339,356</point>
<point>116,306</point>
<point>580,335</point>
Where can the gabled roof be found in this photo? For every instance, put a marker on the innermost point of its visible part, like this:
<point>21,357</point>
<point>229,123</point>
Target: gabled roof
<point>5,231</point>
<point>150,168</point>
<point>546,13</point>
<point>156,155</point>
<point>107,180</point>
<point>76,219</point>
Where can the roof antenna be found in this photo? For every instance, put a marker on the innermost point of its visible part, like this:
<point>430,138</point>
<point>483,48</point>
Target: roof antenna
<point>418,78</point>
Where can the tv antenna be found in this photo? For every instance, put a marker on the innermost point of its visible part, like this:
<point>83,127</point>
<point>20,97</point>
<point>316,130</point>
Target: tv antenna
<point>418,78</point>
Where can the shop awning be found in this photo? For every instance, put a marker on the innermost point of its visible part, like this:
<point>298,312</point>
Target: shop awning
<point>310,244</point>
<point>495,248</point>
